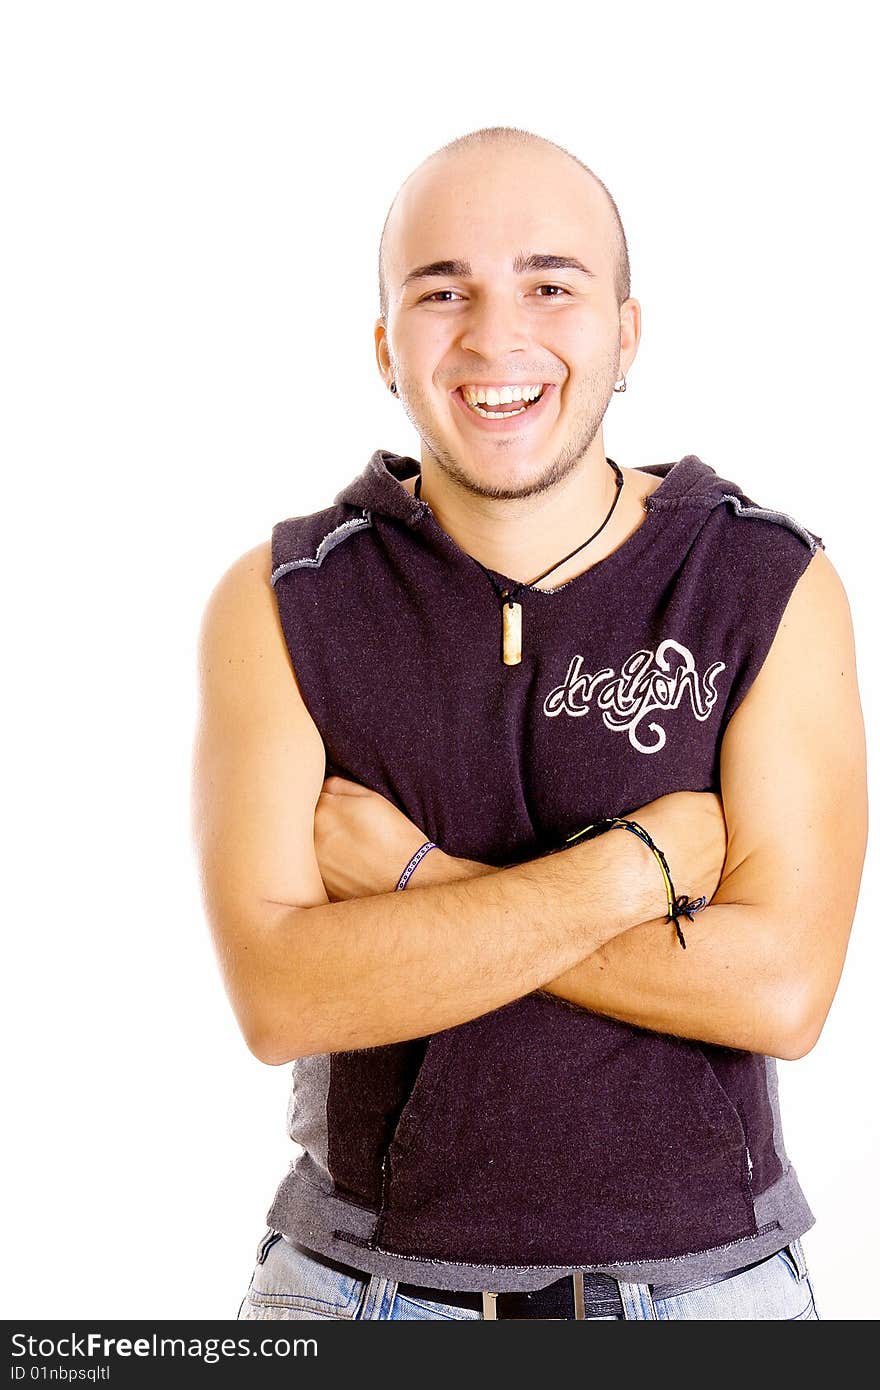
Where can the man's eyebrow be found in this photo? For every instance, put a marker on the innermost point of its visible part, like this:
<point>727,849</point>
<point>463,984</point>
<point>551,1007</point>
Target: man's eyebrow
<point>435,269</point>
<point>539,261</point>
<point>521,265</point>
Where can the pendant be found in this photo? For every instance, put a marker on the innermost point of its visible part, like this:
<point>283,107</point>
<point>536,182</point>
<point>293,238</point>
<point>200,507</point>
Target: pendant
<point>511,632</point>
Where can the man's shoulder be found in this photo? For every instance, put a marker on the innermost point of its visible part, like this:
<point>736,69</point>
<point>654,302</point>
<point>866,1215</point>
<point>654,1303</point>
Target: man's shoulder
<point>819,597</point>
<point>761,521</point>
<point>744,528</point>
<point>244,661</point>
<point>241,601</point>
<point>304,542</point>
<point>694,490</point>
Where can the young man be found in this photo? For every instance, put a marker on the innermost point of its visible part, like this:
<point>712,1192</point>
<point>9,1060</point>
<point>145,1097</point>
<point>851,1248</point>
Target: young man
<point>529,1083</point>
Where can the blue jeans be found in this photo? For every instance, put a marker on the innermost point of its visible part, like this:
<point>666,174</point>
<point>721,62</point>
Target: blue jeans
<point>289,1284</point>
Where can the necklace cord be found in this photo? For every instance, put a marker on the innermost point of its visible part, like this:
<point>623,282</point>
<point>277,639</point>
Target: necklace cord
<point>510,594</point>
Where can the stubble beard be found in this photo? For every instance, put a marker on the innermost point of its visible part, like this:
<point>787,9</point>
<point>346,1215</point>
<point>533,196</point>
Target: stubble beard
<point>587,410</point>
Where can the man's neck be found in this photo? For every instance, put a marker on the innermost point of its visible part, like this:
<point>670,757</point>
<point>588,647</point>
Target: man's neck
<point>522,537</point>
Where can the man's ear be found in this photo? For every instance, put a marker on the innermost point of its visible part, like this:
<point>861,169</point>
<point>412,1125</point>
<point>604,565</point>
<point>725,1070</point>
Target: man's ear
<point>630,332</point>
<point>383,357</point>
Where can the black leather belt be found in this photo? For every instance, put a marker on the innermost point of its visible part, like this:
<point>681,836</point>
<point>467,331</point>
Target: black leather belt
<point>601,1298</point>
<point>574,1296</point>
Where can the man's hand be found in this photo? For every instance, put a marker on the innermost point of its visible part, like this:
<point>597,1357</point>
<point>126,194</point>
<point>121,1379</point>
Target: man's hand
<point>363,842</point>
<point>689,828</point>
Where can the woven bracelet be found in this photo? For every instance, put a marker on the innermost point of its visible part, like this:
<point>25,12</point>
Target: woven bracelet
<point>413,865</point>
<point>677,905</point>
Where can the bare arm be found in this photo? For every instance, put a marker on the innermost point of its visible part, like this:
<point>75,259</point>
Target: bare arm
<point>764,959</point>
<point>304,975</point>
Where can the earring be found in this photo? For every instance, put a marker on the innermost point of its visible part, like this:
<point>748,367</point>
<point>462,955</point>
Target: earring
<point>620,385</point>
<point>394,388</point>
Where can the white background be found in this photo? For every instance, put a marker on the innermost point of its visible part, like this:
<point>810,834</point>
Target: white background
<point>193,200</point>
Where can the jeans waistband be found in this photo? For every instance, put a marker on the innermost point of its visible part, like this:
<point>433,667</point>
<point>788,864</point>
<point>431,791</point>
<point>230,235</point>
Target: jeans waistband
<point>570,1297</point>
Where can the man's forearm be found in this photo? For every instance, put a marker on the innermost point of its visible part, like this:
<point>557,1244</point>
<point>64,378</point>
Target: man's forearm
<point>729,987</point>
<point>725,988</point>
<point>382,969</point>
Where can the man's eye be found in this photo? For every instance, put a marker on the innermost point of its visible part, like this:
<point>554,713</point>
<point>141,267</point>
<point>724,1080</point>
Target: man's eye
<point>558,292</point>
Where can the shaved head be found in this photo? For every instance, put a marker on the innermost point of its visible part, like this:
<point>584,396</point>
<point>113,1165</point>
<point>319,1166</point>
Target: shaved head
<point>511,137</point>
<point>503,263</point>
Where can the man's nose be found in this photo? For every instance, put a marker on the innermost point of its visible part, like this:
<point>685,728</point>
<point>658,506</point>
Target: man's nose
<point>496,325</point>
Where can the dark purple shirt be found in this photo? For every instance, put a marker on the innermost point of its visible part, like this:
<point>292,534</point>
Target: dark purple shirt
<point>539,1137</point>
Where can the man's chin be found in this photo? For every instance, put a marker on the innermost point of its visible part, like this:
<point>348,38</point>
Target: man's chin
<point>502,479</point>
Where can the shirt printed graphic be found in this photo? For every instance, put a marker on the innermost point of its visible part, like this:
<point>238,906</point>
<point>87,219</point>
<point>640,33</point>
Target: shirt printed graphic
<point>648,681</point>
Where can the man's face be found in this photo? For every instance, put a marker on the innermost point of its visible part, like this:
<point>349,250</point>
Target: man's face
<point>510,322</point>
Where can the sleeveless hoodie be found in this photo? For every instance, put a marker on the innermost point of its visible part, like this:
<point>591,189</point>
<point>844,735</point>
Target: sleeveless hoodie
<point>539,1138</point>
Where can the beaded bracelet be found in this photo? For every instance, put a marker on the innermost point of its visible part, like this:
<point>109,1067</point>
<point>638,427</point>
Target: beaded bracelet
<point>413,865</point>
<point>677,905</point>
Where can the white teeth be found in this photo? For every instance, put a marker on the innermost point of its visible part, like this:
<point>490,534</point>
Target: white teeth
<point>498,414</point>
<point>499,395</point>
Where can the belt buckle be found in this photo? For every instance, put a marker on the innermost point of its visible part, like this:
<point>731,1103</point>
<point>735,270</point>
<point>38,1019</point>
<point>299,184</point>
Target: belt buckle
<point>490,1304</point>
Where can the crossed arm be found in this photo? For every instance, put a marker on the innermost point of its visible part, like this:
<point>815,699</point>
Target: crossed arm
<point>763,960</point>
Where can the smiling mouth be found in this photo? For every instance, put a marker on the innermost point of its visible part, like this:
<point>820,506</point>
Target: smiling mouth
<point>497,410</point>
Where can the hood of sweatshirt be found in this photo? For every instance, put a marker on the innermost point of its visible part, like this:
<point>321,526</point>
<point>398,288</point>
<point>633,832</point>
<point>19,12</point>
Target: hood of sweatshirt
<point>687,483</point>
